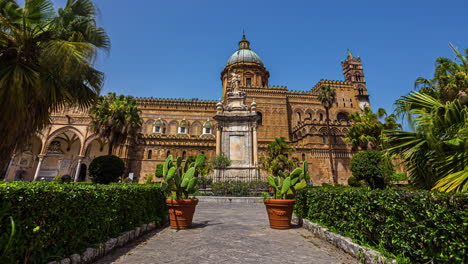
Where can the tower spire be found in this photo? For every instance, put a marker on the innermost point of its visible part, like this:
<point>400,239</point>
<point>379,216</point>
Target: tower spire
<point>350,56</point>
<point>243,34</point>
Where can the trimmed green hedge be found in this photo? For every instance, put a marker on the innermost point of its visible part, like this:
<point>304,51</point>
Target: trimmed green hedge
<point>416,226</point>
<point>55,220</point>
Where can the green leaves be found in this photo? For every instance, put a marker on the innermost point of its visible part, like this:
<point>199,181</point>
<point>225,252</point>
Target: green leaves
<point>63,219</point>
<point>43,68</point>
<point>181,178</point>
<point>286,187</point>
<point>414,226</point>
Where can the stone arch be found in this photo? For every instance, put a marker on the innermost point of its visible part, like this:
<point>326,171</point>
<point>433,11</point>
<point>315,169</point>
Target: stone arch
<point>195,128</point>
<point>335,131</point>
<point>323,131</point>
<point>172,127</point>
<point>58,132</point>
<point>342,116</point>
<point>148,126</point>
<point>309,115</point>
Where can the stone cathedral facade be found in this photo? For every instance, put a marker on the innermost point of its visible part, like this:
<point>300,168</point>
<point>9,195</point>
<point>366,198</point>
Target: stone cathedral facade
<point>188,127</point>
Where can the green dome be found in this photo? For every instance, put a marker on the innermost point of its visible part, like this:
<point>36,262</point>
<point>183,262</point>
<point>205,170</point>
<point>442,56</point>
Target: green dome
<point>244,54</point>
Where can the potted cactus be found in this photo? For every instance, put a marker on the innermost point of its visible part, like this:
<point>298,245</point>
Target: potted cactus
<point>180,182</point>
<point>285,187</point>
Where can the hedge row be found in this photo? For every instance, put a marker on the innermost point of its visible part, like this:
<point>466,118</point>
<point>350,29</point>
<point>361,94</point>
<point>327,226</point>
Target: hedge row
<point>416,226</point>
<point>55,220</point>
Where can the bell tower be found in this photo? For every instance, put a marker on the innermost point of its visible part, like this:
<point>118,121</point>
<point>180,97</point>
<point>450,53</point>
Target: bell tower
<point>353,72</point>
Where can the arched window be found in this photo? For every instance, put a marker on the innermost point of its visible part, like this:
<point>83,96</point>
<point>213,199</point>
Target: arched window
<point>324,139</point>
<point>358,78</point>
<point>159,127</point>
<point>184,154</point>
<point>321,117</point>
<point>260,120</point>
<point>303,157</point>
<point>150,154</point>
<point>248,82</point>
<point>342,116</point>
<point>183,127</point>
<point>207,127</point>
<point>298,117</point>
<point>310,116</point>
<point>168,153</point>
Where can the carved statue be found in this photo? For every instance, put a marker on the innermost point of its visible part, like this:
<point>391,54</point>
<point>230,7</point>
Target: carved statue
<point>234,81</point>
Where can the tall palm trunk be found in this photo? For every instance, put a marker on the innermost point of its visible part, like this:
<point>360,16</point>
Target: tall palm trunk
<point>335,179</point>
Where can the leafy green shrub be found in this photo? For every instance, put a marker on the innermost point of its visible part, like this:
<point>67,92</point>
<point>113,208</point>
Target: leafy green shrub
<point>398,176</point>
<point>204,182</point>
<point>419,226</point>
<point>53,220</point>
<point>159,170</point>
<point>220,161</point>
<point>62,178</point>
<point>239,188</point>
<point>149,178</point>
<point>353,182</point>
<point>372,167</point>
<point>106,169</point>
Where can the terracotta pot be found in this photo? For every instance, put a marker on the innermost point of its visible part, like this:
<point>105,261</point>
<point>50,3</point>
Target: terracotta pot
<point>279,212</point>
<point>181,212</point>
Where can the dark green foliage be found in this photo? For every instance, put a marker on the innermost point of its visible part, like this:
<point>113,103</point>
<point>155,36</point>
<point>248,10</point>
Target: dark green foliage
<point>421,226</point>
<point>372,167</point>
<point>106,169</point>
<point>55,220</point>
<point>204,182</point>
<point>239,188</point>
<point>398,176</point>
<point>62,178</point>
<point>353,182</point>
<point>277,159</point>
<point>159,170</point>
<point>220,161</point>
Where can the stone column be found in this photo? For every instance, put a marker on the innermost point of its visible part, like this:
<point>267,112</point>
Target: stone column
<point>255,145</point>
<point>38,168</point>
<point>9,166</point>
<point>218,141</point>
<point>78,166</point>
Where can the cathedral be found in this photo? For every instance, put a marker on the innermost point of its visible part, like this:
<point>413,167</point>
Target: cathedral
<point>184,127</point>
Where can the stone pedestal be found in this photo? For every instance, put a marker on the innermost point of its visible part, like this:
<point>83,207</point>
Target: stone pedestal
<point>237,138</point>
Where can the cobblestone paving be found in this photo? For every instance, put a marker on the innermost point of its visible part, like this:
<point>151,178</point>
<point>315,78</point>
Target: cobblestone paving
<point>229,233</point>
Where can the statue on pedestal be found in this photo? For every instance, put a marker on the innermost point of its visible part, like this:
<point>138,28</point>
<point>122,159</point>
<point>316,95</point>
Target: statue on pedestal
<point>234,81</point>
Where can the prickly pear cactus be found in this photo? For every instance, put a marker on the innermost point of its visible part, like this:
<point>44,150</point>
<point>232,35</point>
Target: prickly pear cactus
<point>180,180</point>
<point>286,187</point>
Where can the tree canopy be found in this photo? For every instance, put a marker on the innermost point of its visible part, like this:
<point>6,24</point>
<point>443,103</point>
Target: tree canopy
<point>436,150</point>
<point>366,131</point>
<point>46,63</point>
<point>116,118</point>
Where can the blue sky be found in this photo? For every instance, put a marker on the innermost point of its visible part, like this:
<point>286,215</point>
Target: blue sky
<point>177,49</point>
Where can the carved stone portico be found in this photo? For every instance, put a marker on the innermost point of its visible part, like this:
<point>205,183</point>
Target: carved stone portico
<point>237,138</point>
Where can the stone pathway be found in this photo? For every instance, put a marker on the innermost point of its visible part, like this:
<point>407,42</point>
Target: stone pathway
<point>229,233</point>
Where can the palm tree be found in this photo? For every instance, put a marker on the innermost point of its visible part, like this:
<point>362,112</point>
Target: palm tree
<point>367,128</point>
<point>116,119</point>
<point>46,63</point>
<point>327,96</point>
<point>450,79</point>
<point>436,154</point>
<point>278,158</point>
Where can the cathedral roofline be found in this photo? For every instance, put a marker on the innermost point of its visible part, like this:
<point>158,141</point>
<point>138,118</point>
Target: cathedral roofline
<point>175,100</point>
